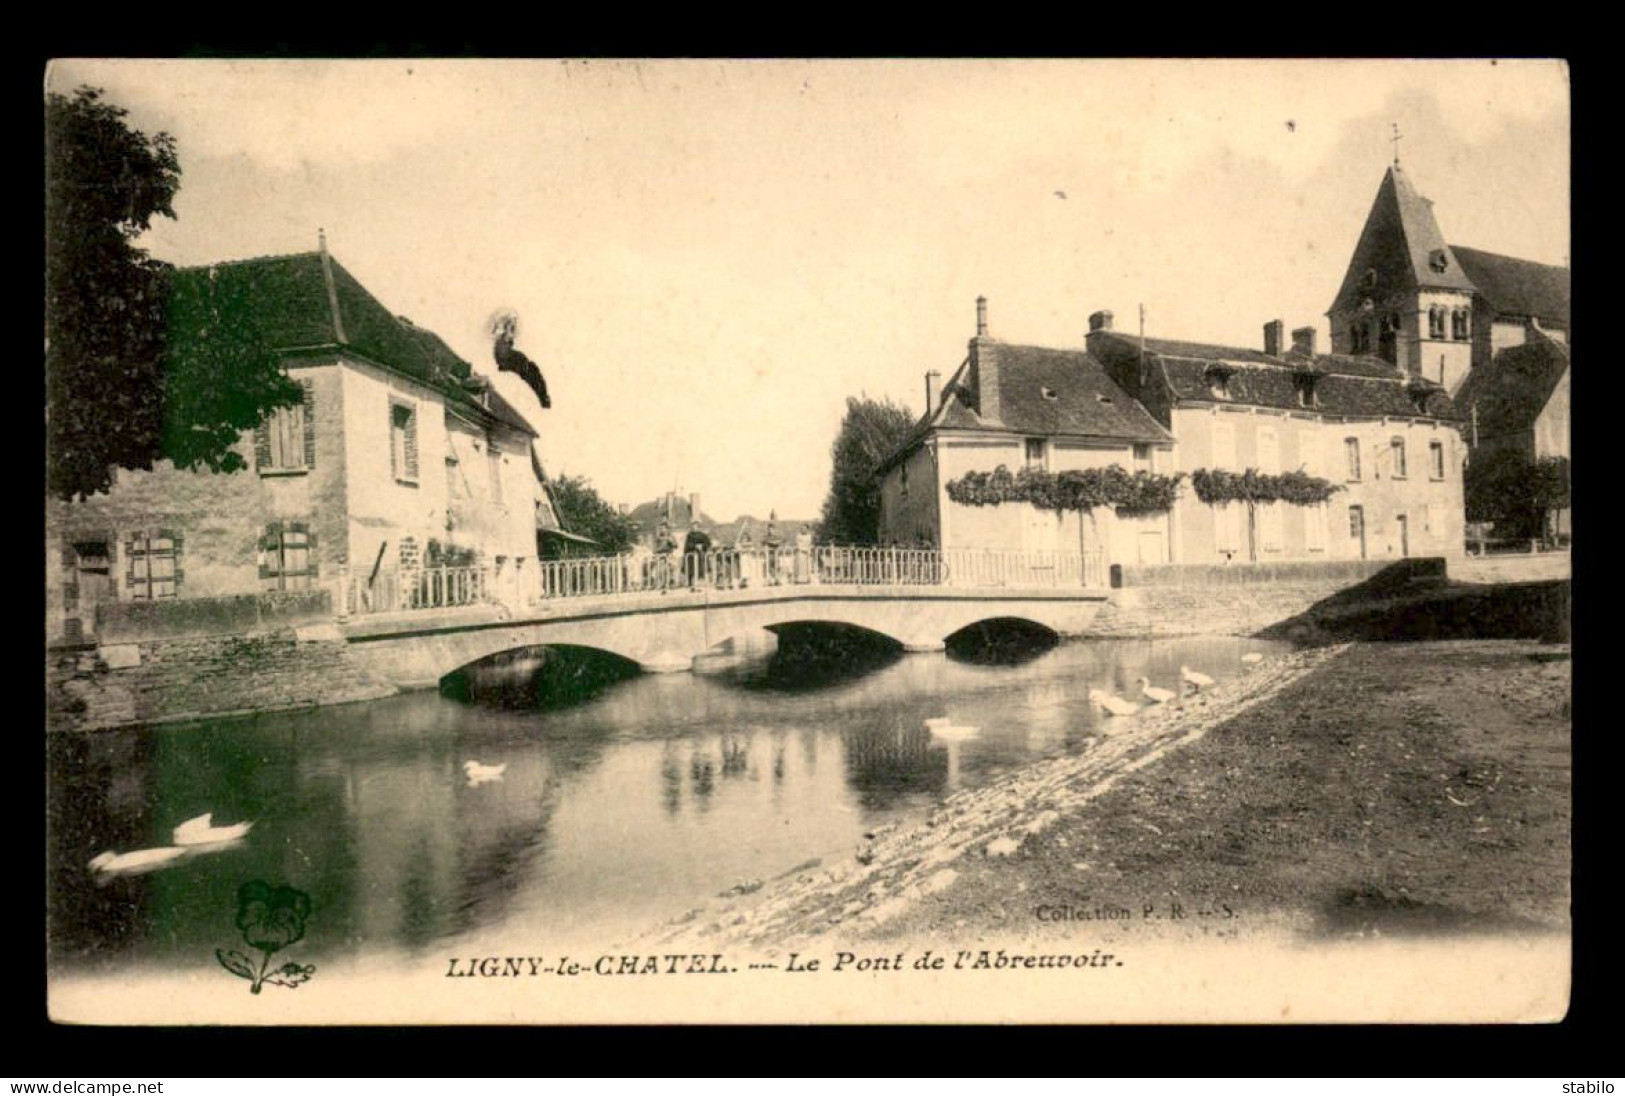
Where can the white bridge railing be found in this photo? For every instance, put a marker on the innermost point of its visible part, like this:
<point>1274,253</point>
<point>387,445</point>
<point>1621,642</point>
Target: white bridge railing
<point>723,569</point>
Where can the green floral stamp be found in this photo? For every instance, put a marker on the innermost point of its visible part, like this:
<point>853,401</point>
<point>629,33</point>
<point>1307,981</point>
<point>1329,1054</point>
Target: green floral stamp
<point>270,919</point>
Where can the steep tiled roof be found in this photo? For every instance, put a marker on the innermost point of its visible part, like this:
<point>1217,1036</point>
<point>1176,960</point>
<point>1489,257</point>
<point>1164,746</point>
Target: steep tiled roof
<point>727,534</point>
<point>1042,391</point>
<point>1344,384</point>
<point>648,515</point>
<point>293,309</point>
<point>1518,287</point>
<point>1399,242</point>
<point>1513,388</point>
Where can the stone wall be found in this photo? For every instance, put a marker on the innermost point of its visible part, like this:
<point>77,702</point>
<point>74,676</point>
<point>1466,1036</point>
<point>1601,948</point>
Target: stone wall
<point>134,621</point>
<point>167,680</point>
<point>1242,599</point>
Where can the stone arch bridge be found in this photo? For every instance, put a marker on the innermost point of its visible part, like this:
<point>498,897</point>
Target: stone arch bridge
<point>666,632</point>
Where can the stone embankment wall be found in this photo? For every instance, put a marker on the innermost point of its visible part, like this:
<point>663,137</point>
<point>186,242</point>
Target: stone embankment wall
<point>1242,599</point>
<point>176,679</point>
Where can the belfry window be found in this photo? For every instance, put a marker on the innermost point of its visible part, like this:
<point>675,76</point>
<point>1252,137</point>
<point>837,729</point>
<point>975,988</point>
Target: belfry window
<point>1458,324</point>
<point>1436,322</point>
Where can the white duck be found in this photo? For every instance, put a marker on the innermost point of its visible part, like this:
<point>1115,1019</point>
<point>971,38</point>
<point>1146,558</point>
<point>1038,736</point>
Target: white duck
<point>1116,705</point>
<point>479,774</point>
<point>202,831</point>
<point>132,863</point>
<point>950,732</point>
<point>1192,677</point>
<point>1153,693</point>
<point>1252,656</point>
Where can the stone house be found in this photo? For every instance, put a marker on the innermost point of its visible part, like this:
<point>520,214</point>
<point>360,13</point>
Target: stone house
<point>1023,407</point>
<point>400,452</point>
<point>1387,439</point>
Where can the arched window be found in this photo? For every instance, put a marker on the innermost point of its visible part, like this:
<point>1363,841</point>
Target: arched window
<point>1436,322</point>
<point>1458,324</point>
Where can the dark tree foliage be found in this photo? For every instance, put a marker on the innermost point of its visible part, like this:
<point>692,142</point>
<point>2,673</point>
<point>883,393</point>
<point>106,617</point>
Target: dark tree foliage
<point>129,378</point>
<point>871,431</point>
<point>1516,491</point>
<point>583,512</point>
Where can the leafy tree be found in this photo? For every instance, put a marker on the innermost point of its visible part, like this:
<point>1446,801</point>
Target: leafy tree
<point>583,512</point>
<point>1519,493</point>
<point>870,432</point>
<point>141,363</point>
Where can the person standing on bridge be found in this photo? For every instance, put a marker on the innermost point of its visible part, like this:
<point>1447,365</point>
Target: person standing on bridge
<point>666,557</point>
<point>804,549</point>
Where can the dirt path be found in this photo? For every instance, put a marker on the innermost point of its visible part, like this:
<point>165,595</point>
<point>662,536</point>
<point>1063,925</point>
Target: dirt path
<point>1372,789</point>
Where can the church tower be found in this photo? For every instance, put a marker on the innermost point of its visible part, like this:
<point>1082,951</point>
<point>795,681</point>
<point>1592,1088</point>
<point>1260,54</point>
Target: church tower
<point>1404,297</point>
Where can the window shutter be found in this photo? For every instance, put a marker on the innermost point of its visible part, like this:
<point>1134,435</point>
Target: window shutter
<point>262,444</point>
<point>131,547</point>
<point>310,553</point>
<point>270,545</point>
<point>394,465</point>
<point>70,597</point>
<point>308,407</point>
<point>412,446</point>
<point>175,538</point>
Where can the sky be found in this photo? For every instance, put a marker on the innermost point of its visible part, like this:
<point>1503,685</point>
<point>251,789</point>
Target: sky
<point>709,257</point>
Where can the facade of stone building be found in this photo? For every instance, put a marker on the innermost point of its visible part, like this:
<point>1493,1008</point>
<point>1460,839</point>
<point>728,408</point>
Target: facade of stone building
<point>1019,407</point>
<point>399,456</point>
<point>1389,442</point>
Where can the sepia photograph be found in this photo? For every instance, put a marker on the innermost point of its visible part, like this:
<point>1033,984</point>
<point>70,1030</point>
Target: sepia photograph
<point>807,541</point>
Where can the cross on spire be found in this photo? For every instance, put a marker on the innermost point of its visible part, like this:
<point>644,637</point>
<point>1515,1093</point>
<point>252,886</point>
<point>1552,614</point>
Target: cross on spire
<point>1396,138</point>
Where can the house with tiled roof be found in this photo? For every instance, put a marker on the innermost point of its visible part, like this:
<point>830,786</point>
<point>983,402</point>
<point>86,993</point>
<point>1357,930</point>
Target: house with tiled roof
<point>1018,406</point>
<point>400,456</point>
<point>1385,439</point>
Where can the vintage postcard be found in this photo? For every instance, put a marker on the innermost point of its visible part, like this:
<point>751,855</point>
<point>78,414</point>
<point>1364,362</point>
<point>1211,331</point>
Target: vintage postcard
<point>683,541</point>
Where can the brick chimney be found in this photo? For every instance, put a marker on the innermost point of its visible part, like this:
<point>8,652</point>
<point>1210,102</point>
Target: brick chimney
<point>984,368</point>
<point>1100,321</point>
<point>931,378</point>
<point>1303,341</point>
<point>1272,338</point>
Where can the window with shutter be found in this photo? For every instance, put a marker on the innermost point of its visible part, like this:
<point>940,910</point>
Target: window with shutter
<point>1351,453</point>
<point>288,556</point>
<point>152,565</point>
<point>285,440</point>
<point>1396,448</point>
<point>1227,527</point>
<point>403,442</point>
<point>1314,527</point>
<point>1269,525</point>
<point>1436,459</point>
<point>1269,450</point>
<point>1224,445</point>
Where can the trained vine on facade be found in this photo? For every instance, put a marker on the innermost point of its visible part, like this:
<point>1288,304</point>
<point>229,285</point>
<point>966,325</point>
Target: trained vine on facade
<point>1132,493</point>
<point>1214,485</point>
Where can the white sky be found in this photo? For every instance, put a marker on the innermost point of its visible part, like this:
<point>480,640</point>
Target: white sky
<point>708,256</point>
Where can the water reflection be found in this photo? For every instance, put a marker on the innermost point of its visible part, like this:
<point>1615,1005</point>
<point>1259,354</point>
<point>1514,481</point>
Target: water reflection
<point>610,814</point>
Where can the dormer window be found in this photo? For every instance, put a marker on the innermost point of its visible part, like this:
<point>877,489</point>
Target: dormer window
<point>1304,382</point>
<point>1360,337</point>
<point>1048,393</point>
<point>1370,279</point>
<point>1218,381</point>
<point>1438,261</point>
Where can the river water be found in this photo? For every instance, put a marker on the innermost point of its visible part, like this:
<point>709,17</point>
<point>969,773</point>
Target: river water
<point>622,807</point>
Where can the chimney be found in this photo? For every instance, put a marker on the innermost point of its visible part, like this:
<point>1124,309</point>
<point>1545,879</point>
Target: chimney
<point>1100,321</point>
<point>1303,341</point>
<point>984,368</point>
<point>931,378</point>
<point>1272,338</point>
<point>671,505</point>
<point>694,506</point>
